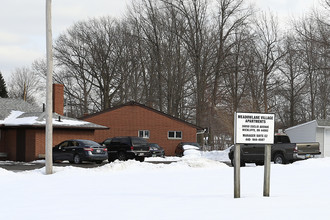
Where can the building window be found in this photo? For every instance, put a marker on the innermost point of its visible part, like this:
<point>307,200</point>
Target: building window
<point>174,135</point>
<point>144,134</point>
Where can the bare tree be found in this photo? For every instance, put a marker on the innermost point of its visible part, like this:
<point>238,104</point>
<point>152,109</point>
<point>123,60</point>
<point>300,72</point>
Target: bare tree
<point>151,31</point>
<point>268,51</point>
<point>306,31</point>
<point>24,84</point>
<point>292,84</point>
<point>231,22</point>
<point>196,40</point>
<point>88,55</point>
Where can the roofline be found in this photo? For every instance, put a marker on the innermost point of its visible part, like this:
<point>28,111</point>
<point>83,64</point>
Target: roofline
<point>54,126</point>
<point>133,103</point>
<point>318,121</point>
<point>303,124</point>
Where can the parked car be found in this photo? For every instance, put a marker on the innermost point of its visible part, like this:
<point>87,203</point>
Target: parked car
<point>77,150</point>
<point>185,148</point>
<point>106,142</point>
<point>124,148</point>
<point>282,151</point>
<point>156,150</point>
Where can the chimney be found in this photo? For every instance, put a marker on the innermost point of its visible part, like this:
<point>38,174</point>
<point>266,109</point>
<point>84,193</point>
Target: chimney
<point>58,98</point>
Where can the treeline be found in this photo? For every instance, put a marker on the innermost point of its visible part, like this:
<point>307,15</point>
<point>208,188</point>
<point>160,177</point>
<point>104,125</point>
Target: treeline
<point>200,61</point>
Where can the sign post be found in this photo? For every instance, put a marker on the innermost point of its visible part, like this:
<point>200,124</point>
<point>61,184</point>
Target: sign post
<point>268,150</point>
<point>253,128</point>
<point>237,174</point>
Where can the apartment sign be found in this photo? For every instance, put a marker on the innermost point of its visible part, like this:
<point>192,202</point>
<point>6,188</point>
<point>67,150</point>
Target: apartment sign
<point>254,128</point>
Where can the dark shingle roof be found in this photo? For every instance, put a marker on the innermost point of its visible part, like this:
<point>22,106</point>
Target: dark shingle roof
<point>30,115</point>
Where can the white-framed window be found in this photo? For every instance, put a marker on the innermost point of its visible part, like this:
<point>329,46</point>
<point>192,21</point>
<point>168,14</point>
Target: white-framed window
<point>174,134</point>
<point>144,134</point>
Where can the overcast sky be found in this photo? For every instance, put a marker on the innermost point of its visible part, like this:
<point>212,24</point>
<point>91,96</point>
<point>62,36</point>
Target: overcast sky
<point>22,23</point>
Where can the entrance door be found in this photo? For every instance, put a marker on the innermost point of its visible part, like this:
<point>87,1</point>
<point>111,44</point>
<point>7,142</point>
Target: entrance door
<point>20,144</point>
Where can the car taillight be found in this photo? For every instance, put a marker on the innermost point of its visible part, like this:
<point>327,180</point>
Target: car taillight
<point>88,149</point>
<point>105,149</point>
<point>295,150</point>
<point>132,148</point>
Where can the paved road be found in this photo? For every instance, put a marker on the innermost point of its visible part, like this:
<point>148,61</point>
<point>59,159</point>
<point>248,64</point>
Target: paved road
<point>24,166</point>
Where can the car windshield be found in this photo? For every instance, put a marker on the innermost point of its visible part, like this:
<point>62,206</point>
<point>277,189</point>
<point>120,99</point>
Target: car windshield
<point>90,143</point>
<point>154,146</point>
<point>138,141</point>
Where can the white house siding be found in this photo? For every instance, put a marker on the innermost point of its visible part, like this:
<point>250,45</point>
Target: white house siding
<point>320,139</point>
<point>327,142</point>
<point>313,131</point>
<point>302,133</point>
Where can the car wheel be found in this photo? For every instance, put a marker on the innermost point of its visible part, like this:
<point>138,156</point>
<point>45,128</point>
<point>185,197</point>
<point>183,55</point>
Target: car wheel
<point>279,159</point>
<point>111,159</point>
<point>76,159</point>
<point>141,159</point>
<point>232,161</point>
<point>122,156</point>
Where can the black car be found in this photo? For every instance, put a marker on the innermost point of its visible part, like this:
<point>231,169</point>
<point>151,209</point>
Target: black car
<point>124,148</point>
<point>77,150</point>
<point>156,150</point>
<point>185,146</point>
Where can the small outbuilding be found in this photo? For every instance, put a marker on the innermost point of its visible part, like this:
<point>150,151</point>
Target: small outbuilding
<point>313,131</point>
<point>22,128</point>
<point>135,119</point>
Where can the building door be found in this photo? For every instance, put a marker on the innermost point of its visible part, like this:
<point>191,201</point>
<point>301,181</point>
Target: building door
<point>20,144</point>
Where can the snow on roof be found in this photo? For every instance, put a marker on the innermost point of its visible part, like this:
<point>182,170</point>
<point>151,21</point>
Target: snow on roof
<point>8,105</point>
<point>19,118</point>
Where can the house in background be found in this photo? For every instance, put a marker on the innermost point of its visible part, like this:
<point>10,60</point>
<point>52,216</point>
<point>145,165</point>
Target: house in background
<point>313,131</point>
<point>22,127</point>
<point>134,119</point>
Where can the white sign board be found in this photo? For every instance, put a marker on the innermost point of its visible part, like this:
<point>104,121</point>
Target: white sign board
<point>254,128</point>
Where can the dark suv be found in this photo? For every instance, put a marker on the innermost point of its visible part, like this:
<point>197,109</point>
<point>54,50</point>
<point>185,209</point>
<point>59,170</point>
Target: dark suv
<point>124,148</point>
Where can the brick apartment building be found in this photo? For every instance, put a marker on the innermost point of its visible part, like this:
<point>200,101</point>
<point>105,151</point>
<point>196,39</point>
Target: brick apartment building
<point>22,127</point>
<point>134,119</point>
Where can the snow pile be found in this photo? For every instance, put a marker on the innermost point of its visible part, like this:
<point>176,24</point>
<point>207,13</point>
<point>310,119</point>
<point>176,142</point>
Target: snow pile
<point>191,188</point>
<point>189,147</point>
<point>217,155</point>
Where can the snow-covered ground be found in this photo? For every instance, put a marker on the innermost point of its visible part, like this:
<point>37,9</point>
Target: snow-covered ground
<point>190,188</point>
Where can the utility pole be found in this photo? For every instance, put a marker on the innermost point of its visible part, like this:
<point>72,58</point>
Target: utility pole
<point>49,91</point>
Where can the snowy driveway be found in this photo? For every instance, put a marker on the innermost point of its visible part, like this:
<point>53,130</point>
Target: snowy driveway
<point>220,156</point>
